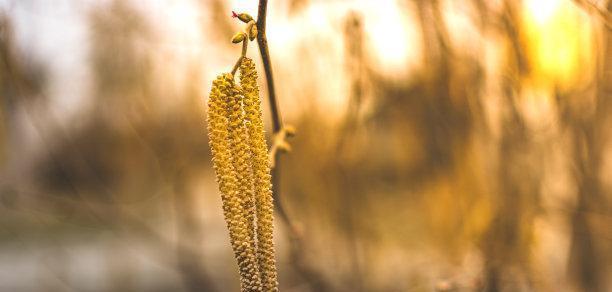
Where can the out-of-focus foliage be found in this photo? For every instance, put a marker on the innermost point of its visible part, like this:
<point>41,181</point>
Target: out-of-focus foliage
<point>441,145</point>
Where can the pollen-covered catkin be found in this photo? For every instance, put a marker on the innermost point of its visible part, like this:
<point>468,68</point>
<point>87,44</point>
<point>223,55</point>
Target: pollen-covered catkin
<point>262,177</point>
<point>219,139</point>
<point>242,160</point>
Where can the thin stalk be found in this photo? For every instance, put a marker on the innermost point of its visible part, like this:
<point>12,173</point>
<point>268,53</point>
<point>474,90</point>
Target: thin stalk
<point>280,133</point>
<point>245,45</point>
<point>277,122</point>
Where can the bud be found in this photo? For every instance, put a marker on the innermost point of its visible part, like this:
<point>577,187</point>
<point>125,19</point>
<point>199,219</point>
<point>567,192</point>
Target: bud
<point>242,16</point>
<point>289,130</point>
<point>239,37</point>
<point>253,32</point>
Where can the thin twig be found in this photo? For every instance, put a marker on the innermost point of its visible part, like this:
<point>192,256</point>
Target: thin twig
<point>262,41</point>
<point>277,122</point>
<point>281,132</point>
<point>245,45</point>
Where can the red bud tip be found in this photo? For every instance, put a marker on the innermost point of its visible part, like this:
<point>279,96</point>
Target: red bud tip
<point>234,15</point>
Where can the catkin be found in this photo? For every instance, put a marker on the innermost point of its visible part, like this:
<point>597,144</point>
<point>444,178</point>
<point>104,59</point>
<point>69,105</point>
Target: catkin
<point>242,167</point>
<point>225,100</point>
<point>242,162</point>
<point>261,172</point>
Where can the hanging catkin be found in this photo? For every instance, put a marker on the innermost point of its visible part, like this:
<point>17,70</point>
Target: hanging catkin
<point>242,162</point>
<point>225,136</point>
<point>261,171</point>
<point>242,165</point>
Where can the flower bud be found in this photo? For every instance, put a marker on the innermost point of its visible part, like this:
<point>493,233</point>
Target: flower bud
<point>253,32</point>
<point>242,16</point>
<point>239,37</point>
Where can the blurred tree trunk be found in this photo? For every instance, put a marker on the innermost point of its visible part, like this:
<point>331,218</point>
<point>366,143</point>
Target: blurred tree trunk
<point>507,241</point>
<point>350,192</point>
<point>589,260</point>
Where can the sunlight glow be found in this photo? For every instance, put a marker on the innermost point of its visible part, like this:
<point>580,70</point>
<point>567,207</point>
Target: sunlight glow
<point>542,10</point>
<point>387,29</point>
<point>559,40</point>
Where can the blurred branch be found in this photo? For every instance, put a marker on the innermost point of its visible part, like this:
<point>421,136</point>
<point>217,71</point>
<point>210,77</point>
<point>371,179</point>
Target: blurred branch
<point>591,7</point>
<point>589,133</point>
<point>506,241</point>
<point>355,65</point>
<point>348,214</point>
<point>440,28</point>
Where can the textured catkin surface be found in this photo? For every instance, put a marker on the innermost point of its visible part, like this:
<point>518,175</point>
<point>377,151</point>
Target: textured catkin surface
<point>261,173</point>
<point>224,99</point>
<point>242,163</point>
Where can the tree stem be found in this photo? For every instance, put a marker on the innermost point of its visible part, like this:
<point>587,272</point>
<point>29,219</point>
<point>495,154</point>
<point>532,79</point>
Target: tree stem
<point>262,41</point>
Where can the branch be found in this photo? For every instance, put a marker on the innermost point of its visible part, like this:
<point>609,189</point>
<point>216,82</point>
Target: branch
<point>262,41</point>
<point>279,145</point>
<point>591,7</point>
<point>277,122</point>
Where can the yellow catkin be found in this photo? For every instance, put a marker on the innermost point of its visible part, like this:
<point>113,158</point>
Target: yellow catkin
<point>262,177</point>
<point>222,92</point>
<point>242,162</point>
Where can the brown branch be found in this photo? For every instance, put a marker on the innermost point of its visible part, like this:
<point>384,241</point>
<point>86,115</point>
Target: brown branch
<point>262,41</point>
<point>277,122</point>
<point>280,132</point>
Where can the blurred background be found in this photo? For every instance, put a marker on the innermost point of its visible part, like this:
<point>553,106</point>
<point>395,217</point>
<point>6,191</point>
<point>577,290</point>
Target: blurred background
<point>446,145</point>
